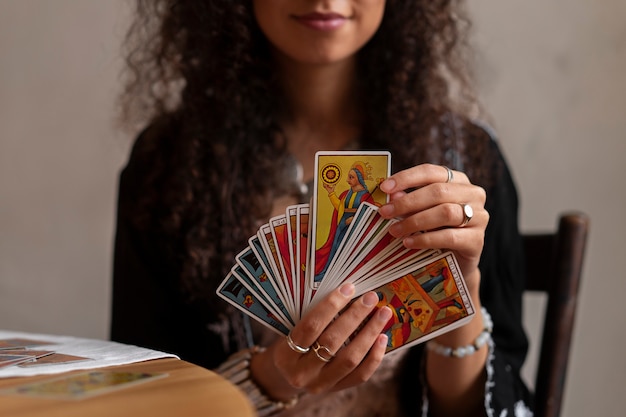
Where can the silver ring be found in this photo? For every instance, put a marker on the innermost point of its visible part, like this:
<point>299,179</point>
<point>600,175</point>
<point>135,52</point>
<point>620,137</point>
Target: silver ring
<point>468,213</point>
<point>317,347</point>
<point>450,174</point>
<point>296,348</point>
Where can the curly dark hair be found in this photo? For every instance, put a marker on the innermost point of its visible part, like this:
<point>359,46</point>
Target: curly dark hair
<point>200,75</point>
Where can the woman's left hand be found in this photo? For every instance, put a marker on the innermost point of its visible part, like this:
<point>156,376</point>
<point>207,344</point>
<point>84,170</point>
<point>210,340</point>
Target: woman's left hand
<point>429,200</point>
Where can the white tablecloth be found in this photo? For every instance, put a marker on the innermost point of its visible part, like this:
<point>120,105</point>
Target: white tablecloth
<point>100,353</point>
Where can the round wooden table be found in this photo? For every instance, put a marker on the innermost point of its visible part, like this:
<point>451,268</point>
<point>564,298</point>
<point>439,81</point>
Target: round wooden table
<point>187,390</point>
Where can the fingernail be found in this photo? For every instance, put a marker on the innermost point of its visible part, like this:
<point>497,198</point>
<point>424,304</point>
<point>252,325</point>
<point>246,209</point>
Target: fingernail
<point>408,242</point>
<point>384,313</point>
<point>382,340</point>
<point>387,210</point>
<point>388,185</point>
<point>395,230</point>
<point>370,299</point>
<point>347,289</point>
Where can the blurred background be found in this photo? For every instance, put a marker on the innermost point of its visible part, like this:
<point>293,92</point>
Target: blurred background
<point>551,74</point>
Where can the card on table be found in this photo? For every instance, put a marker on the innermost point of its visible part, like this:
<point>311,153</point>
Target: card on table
<point>20,343</point>
<point>32,355</point>
<point>83,385</point>
<point>54,359</point>
<point>12,359</point>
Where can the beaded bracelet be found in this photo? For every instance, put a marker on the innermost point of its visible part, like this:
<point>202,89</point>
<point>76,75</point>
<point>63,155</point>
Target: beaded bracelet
<point>462,351</point>
<point>237,370</point>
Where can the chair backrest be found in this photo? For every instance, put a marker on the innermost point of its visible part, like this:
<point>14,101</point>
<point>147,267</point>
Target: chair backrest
<point>554,266</point>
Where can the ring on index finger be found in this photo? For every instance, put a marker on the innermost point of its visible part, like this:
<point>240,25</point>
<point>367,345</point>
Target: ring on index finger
<point>450,174</point>
<point>295,347</point>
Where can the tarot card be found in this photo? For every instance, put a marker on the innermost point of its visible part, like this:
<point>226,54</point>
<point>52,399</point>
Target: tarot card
<point>19,343</point>
<point>292,233</point>
<point>342,182</point>
<point>54,359</point>
<point>83,385</point>
<point>282,243</point>
<point>359,249</point>
<point>251,266</point>
<point>259,250</point>
<point>234,292</point>
<point>354,234</point>
<point>268,246</point>
<point>11,359</point>
<point>362,223</point>
<point>258,293</point>
<point>404,263</point>
<point>428,302</point>
<point>35,354</point>
<point>302,250</point>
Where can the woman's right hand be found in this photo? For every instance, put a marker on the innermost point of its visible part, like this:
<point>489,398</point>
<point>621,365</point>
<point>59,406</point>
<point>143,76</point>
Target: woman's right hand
<point>283,372</point>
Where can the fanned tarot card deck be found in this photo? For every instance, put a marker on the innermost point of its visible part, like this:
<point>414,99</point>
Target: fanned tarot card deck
<point>299,257</point>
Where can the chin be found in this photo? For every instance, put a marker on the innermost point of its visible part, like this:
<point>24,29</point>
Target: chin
<point>319,56</point>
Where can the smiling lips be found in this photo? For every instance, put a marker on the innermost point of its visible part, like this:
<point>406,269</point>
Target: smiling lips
<point>321,21</point>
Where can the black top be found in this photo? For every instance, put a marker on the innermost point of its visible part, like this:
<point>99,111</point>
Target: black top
<point>150,310</point>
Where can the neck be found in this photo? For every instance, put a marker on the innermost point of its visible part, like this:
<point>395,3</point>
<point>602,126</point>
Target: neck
<point>321,104</point>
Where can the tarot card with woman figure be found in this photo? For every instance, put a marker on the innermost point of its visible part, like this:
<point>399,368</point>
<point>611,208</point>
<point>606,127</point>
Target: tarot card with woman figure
<point>342,182</point>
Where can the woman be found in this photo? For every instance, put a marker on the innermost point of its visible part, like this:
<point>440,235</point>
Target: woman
<point>234,90</point>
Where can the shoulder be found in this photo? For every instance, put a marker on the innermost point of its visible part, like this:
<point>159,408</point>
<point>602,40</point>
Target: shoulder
<point>152,153</point>
<point>155,142</point>
<point>148,169</point>
<point>482,150</point>
<point>481,130</point>
<point>497,165</point>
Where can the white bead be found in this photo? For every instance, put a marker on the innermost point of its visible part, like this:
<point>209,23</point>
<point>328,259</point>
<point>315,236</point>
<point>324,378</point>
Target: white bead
<point>463,351</point>
<point>460,352</point>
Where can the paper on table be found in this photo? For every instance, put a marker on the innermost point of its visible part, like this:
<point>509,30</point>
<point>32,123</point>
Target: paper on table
<point>101,353</point>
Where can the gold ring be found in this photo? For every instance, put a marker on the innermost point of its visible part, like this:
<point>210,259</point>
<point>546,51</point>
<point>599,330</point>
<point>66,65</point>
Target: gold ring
<point>317,348</point>
<point>296,348</point>
<point>468,213</point>
<point>450,174</point>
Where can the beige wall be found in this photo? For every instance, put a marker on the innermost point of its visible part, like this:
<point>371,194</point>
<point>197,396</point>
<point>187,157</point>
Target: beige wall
<point>551,75</point>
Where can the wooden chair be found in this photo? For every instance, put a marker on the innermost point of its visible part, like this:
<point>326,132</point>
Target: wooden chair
<point>554,266</point>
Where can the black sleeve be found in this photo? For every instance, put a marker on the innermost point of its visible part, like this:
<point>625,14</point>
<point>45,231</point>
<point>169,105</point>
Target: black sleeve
<point>502,286</point>
<point>501,290</point>
<point>148,307</point>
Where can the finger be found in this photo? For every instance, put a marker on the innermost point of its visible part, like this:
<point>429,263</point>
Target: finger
<point>462,240</point>
<point>355,356</point>
<point>367,367</point>
<point>419,176</point>
<point>336,333</point>
<point>442,215</point>
<point>432,195</point>
<point>307,331</point>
